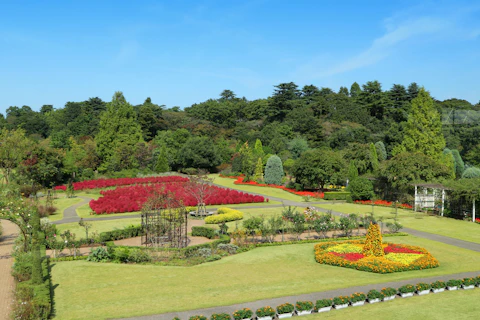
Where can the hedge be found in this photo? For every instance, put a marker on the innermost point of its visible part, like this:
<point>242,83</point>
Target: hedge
<point>203,232</point>
<point>224,215</point>
<point>119,234</point>
<point>190,251</point>
<point>336,195</point>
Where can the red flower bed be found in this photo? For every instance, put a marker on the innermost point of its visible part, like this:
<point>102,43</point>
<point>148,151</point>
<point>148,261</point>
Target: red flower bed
<point>132,198</point>
<point>383,203</point>
<point>351,256</point>
<point>105,183</point>
<point>299,193</point>
<point>398,249</point>
<point>477,220</point>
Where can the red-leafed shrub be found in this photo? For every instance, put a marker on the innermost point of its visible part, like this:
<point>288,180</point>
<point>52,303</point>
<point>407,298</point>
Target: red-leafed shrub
<point>105,183</point>
<point>132,198</point>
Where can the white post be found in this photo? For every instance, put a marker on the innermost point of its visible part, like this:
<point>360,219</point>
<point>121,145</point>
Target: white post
<point>415,201</point>
<point>443,200</point>
<point>473,211</point>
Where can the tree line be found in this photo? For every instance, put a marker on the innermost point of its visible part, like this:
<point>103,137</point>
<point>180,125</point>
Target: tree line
<point>391,137</point>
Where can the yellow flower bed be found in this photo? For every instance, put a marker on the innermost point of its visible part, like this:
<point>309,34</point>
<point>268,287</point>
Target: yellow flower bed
<point>224,215</point>
<point>396,257</point>
<point>404,258</point>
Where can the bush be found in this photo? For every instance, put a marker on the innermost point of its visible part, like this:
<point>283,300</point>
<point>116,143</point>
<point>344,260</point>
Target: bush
<point>45,211</point>
<point>304,305</point>
<point>22,267</point>
<point>454,283</point>
<point>394,227</point>
<point>374,294</point>
<point>265,312</point>
<point>341,300</point>
<point>198,318</point>
<point>241,314</point>
<point>204,252</point>
<point>138,255</point>
<point>274,171</point>
<point>203,232</point>
<point>336,195</point>
<point>361,189</point>
<point>230,248</point>
<point>220,316</point>
<point>226,216</point>
<point>408,288</point>
<point>130,231</point>
<point>423,286</point>
<point>121,254</point>
<point>323,303</point>
<point>285,308</point>
<point>192,250</point>
<point>98,255</point>
<point>388,292</point>
<point>438,285</point>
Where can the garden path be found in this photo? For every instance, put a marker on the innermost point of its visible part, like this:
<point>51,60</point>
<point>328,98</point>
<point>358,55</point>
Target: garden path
<point>292,299</point>
<point>70,213</point>
<point>7,283</point>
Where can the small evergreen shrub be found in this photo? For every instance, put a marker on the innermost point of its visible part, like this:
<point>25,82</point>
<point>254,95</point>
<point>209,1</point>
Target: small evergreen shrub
<point>203,232</point>
<point>98,255</point>
<point>274,171</point>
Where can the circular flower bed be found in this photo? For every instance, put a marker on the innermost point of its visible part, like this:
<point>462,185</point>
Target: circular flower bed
<point>396,257</point>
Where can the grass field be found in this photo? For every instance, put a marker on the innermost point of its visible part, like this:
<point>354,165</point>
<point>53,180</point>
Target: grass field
<point>118,290</point>
<point>62,203</point>
<point>463,230</point>
<point>97,226</point>
<point>269,192</point>
<point>461,304</point>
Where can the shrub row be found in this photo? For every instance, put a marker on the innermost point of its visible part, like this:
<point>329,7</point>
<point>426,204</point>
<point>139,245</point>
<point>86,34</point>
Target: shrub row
<point>327,304</point>
<point>119,234</point>
<point>203,232</point>
<point>224,215</point>
<point>336,195</point>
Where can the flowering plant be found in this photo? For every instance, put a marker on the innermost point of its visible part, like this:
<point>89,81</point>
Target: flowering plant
<point>454,283</point>
<point>304,305</point>
<point>358,296</point>
<point>341,300</point>
<point>438,285</point>
<point>197,318</point>
<point>408,288</point>
<point>477,280</point>
<point>220,316</point>
<point>265,312</point>
<point>388,292</point>
<point>285,308</point>
<point>423,286</point>
<point>241,314</point>
<point>323,303</point>
<point>469,281</point>
<point>374,294</point>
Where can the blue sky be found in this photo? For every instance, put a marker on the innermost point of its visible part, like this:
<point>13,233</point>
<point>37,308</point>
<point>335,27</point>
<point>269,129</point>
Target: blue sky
<point>182,52</point>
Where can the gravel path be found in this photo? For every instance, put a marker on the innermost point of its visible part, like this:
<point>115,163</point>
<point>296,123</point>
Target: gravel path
<point>7,283</point>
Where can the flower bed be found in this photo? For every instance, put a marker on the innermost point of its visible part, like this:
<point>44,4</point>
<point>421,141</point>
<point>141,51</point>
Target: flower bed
<point>105,183</point>
<point>129,199</point>
<point>384,203</point>
<point>239,180</point>
<point>394,259</point>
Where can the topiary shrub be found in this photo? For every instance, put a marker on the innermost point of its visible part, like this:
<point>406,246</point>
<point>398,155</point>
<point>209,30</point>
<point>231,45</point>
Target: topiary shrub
<point>224,215</point>
<point>361,189</point>
<point>373,242</point>
<point>472,172</point>
<point>274,171</point>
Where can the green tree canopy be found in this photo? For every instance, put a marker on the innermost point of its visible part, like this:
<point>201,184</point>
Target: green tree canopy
<point>274,170</point>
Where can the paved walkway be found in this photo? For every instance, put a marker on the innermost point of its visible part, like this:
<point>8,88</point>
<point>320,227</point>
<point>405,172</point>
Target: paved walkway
<point>7,283</point>
<point>292,299</point>
<point>70,213</point>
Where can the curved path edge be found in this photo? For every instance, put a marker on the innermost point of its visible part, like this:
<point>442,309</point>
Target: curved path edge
<point>7,282</point>
<point>230,309</point>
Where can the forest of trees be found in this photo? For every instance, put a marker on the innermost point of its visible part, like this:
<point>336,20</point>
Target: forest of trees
<point>392,137</point>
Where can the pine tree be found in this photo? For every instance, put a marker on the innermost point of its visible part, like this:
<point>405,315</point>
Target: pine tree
<point>373,157</point>
<point>258,177</point>
<point>274,171</point>
<point>258,150</point>
<point>352,171</point>
<point>118,135</point>
<point>162,161</point>
<point>423,130</point>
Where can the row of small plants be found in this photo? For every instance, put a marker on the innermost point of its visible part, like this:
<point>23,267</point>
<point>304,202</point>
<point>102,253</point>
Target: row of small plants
<point>356,299</point>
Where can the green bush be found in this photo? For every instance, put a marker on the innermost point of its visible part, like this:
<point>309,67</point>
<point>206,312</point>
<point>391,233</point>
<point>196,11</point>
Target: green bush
<point>192,250</point>
<point>138,255</point>
<point>336,195</point>
<point>22,267</point>
<point>203,232</point>
<point>130,231</point>
<point>98,255</point>
<point>361,189</point>
<point>121,254</point>
<point>274,171</point>
<point>226,216</point>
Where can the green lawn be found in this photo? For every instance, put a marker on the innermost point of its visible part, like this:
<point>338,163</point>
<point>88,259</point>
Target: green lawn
<point>97,226</point>
<point>62,203</point>
<point>463,230</point>
<point>119,290</point>
<point>460,304</point>
<point>269,192</point>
